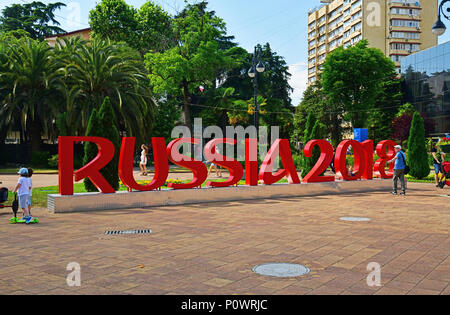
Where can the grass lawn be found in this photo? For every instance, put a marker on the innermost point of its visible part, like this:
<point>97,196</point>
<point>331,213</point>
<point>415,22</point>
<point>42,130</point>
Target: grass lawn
<point>8,171</point>
<point>39,198</point>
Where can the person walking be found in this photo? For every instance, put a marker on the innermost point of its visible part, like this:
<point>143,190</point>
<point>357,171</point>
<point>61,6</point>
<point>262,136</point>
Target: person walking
<point>23,190</point>
<point>399,170</point>
<point>30,186</point>
<point>143,162</point>
<point>438,158</point>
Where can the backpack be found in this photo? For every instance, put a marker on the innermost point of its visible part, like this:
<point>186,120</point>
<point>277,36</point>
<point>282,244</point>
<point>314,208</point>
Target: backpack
<point>404,162</point>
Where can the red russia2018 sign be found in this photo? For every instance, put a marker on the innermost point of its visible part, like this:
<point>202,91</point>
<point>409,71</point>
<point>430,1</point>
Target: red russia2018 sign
<point>363,166</point>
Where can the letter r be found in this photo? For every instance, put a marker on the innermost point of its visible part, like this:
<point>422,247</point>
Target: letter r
<point>91,170</point>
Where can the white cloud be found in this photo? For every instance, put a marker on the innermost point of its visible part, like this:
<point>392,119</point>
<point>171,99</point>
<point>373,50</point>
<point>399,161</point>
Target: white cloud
<point>298,81</point>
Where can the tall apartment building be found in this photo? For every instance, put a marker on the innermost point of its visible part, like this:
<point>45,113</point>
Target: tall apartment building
<point>397,27</point>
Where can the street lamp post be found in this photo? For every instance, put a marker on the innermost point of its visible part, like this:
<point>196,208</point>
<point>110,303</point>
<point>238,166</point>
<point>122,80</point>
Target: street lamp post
<point>257,67</point>
<point>439,27</point>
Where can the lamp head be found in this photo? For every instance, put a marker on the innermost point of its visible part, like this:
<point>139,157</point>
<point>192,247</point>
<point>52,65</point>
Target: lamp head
<point>260,67</point>
<point>251,72</point>
<point>438,27</point>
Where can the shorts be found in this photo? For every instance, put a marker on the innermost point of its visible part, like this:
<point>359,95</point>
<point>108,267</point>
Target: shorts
<point>437,168</point>
<point>29,200</point>
<point>23,201</point>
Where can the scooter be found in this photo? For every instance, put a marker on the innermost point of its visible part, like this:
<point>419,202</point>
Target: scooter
<point>14,206</point>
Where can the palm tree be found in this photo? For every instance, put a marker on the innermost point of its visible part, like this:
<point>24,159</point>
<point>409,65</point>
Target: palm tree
<point>5,121</point>
<point>33,82</point>
<point>100,69</point>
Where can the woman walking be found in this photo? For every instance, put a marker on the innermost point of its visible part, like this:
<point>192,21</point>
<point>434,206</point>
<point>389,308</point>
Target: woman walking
<point>143,163</point>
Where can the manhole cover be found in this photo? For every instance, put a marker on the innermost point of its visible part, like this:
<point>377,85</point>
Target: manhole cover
<point>281,270</point>
<point>355,219</point>
<point>128,232</point>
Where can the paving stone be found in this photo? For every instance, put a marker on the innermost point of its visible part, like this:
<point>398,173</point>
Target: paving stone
<point>212,248</point>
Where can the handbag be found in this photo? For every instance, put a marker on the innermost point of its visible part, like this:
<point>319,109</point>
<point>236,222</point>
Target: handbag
<point>406,165</point>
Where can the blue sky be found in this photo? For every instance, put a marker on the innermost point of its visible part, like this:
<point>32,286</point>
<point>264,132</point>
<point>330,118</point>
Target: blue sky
<point>282,23</point>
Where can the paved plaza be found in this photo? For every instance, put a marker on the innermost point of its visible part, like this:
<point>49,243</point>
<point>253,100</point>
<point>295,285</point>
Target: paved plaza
<point>212,248</point>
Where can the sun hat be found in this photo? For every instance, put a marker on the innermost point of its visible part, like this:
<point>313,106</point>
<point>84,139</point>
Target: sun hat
<point>398,147</point>
<point>23,171</point>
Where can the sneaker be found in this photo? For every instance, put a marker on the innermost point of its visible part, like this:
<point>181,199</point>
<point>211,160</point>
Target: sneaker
<point>394,193</point>
<point>402,193</point>
<point>28,220</point>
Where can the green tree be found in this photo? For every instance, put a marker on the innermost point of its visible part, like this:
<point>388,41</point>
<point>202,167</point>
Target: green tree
<point>385,110</point>
<point>316,133</point>
<point>109,131</point>
<point>196,59</point>
<point>166,118</point>
<point>219,102</point>
<point>354,78</point>
<point>102,123</point>
<point>328,112</point>
<point>32,86</point>
<point>35,18</point>
<point>146,29</point>
<point>417,152</point>
<point>6,122</point>
<point>310,123</point>
<point>90,148</point>
<point>405,109</point>
<point>103,69</point>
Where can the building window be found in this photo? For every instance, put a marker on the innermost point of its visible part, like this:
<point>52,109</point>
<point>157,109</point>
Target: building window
<point>335,12</point>
<point>404,46</point>
<point>357,15</point>
<point>347,23</point>
<point>356,5</point>
<point>405,11</point>
<point>405,23</point>
<point>397,58</point>
<point>407,35</point>
<point>406,2</point>
<point>322,29</point>
<point>356,39</point>
<point>356,27</point>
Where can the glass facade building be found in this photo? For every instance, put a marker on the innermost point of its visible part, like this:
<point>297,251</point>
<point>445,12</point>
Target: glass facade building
<point>427,84</point>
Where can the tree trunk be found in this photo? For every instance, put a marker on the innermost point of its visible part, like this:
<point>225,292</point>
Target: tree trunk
<point>35,135</point>
<point>187,105</point>
<point>3,135</point>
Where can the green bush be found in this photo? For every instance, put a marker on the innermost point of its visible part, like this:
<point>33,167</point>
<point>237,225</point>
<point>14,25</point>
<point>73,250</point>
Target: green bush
<point>53,161</point>
<point>417,158</point>
<point>110,132</point>
<point>316,133</point>
<point>90,149</point>
<point>103,124</point>
<point>40,159</point>
<point>298,160</point>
